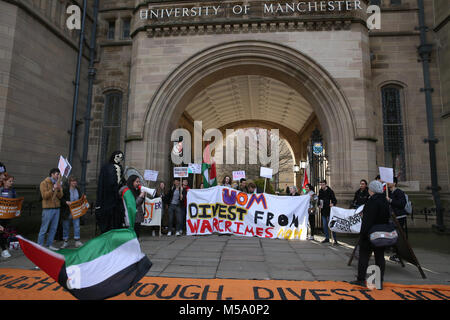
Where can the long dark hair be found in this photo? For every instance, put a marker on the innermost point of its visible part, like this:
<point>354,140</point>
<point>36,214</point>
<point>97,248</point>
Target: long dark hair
<point>131,179</point>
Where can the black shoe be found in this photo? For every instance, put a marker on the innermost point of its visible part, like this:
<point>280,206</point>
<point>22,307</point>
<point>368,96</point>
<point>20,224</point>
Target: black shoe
<point>358,283</point>
<point>335,243</point>
<point>325,241</point>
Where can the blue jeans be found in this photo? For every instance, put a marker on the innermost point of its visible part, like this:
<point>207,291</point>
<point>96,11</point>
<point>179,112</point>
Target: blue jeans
<point>175,212</point>
<point>50,218</point>
<point>325,221</point>
<point>66,227</point>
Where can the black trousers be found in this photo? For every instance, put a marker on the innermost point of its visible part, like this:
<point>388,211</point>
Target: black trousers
<point>312,223</point>
<point>365,252</point>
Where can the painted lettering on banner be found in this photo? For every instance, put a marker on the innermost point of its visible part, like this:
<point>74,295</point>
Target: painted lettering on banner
<point>228,211</point>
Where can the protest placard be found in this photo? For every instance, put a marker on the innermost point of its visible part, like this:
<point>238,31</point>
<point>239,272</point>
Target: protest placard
<point>64,166</point>
<point>266,172</point>
<point>195,168</point>
<point>79,207</point>
<point>151,175</point>
<point>387,174</point>
<point>10,208</point>
<point>180,172</point>
<point>238,175</point>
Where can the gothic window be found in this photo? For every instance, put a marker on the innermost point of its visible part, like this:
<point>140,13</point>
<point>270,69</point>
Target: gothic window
<point>111,124</point>
<point>126,23</point>
<point>394,142</point>
<point>111,30</point>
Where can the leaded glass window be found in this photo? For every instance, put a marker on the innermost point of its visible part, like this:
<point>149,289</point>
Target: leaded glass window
<point>394,141</point>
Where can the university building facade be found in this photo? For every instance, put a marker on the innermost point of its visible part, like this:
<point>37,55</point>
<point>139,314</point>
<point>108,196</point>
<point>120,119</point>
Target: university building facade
<point>304,67</point>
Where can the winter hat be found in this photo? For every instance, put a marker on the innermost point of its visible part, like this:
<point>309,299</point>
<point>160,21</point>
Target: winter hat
<point>376,186</point>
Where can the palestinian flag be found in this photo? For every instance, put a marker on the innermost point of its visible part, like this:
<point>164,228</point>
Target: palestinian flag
<point>102,268</point>
<point>305,182</point>
<point>208,169</point>
<point>209,175</point>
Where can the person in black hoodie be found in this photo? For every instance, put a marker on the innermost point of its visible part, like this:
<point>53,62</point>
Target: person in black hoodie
<point>376,211</point>
<point>327,199</point>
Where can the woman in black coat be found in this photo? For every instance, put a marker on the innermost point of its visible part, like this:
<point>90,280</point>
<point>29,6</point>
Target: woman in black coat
<point>376,211</point>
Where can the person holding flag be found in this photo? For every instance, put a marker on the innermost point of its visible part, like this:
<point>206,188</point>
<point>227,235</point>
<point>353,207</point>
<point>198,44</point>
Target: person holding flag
<point>208,169</point>
<point>104,266</point>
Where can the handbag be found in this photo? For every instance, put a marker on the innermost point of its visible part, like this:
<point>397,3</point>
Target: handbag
<point>383,235</point>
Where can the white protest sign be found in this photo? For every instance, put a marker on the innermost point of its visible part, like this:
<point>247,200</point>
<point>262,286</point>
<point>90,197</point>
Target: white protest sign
<point>195,168</point>
<point>387,174</point>
<point>266,172</point>
<point>64,166</point>
<point>150,175</point>
<point>238,175</point>
<point>180,172</point>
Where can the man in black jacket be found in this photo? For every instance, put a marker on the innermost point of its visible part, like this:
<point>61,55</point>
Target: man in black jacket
<point>327,199</point>
<point>376,211</point>
<point>397,201</point>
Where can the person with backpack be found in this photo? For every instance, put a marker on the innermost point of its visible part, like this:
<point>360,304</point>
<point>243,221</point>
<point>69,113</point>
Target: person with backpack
<point>376,212</point>
<point>397,200</point>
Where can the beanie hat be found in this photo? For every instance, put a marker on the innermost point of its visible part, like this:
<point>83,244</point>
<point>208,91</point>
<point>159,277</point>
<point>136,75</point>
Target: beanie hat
<point>376,186</point>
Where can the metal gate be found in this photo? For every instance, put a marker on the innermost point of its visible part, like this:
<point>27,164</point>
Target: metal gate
<point>318,166</point>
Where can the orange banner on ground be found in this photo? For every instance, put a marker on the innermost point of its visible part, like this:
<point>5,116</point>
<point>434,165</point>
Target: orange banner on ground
<point>19,284</point>
<point>10,208</point>
<point>79,208</point>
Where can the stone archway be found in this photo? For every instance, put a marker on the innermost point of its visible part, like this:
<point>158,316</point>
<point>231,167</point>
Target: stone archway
<point>251,58</point>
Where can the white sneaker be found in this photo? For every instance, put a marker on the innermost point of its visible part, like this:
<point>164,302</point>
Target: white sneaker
<point>6,254</point>
<point>169,233</point>
<point>65,244</point>
<point>178,233</point>
<point>78,243</point>
<point>53,248</point>
<point>153,233</point>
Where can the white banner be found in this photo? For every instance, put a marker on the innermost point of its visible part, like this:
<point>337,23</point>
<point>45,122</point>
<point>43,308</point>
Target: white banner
<point>225,210</point>
<point>153,212</point>
<point>346,220</point>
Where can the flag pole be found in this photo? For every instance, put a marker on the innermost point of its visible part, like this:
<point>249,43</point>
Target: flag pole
<point>265,180</point>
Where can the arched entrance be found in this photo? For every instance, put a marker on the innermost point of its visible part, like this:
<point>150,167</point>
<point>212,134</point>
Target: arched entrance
<point>251,58</point>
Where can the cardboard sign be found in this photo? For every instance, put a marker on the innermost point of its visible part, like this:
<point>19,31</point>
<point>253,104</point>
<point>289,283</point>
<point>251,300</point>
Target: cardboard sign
<point>79,208</point>
<point>195,168</point>
<point>238,175</point>
<point>151,175</point>
<point>10,208</point>
<point>180,172</point>
<point>266,172</point>
<point>387,174</point>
